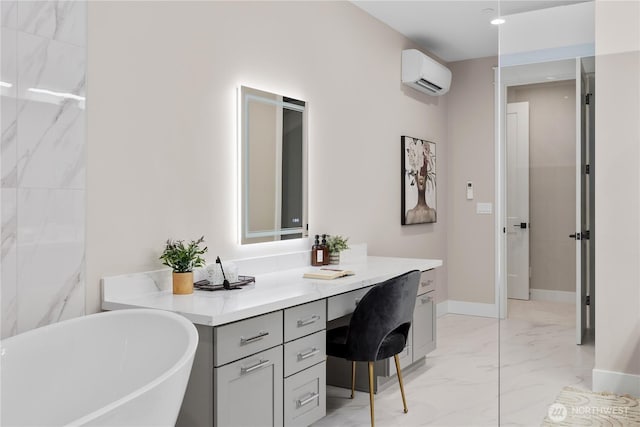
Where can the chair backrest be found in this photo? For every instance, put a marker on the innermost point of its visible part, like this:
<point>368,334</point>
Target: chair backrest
<point>387,307</point>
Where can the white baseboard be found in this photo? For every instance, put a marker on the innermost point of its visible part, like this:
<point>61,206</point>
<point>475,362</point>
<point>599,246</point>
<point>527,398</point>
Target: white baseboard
<point>616,382</point>
<point>442,308</point>
<point>472,308</point>
<point>555,296</point>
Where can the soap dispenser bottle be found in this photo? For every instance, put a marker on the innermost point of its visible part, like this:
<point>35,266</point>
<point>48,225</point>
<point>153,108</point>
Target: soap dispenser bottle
<point>317,255</point>
<point>325,250</point>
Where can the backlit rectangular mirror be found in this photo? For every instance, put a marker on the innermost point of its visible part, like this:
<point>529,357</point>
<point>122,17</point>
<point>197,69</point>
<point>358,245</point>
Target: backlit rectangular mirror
<point>273,167</point>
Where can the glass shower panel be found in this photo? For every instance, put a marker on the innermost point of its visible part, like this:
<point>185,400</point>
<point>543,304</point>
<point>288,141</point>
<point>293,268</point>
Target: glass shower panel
<point>545,73</point>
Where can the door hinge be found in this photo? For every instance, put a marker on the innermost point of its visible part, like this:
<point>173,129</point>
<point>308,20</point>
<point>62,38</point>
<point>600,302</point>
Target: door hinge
<point>587,300</point>
<point>587,98</point>
<point>587,169</point>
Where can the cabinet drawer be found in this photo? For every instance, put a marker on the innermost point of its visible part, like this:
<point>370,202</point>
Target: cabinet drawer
<point>427,282</point>
<point>343,304</point>
<point>304,352</point>
<point>305,396</point>
<point>240,339</point>
<point>423,325</point>
<point>249,392</point>
<point>305,319</point>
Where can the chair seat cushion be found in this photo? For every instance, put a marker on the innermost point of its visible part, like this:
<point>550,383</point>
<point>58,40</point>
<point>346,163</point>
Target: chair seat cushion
<point>392,344</point>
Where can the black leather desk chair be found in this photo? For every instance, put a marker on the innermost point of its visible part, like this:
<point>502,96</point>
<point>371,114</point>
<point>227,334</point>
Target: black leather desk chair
<point>378,328</point>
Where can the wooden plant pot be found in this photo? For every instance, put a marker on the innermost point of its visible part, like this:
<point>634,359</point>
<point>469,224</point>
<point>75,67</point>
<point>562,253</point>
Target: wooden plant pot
<point>183,283</point>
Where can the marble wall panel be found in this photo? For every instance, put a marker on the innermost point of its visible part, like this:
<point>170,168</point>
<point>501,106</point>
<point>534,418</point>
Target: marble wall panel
<point>9,275</point>
<point>43,152</point>
<point>51,146</point>
<point>64,21</point>
<point>8,125</point>
<point>9,13</point>
<point>50,248</point>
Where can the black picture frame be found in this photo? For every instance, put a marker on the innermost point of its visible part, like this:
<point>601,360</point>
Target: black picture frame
<point>418,181</point>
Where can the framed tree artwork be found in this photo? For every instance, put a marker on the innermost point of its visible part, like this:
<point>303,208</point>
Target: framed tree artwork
<point>418,181</point>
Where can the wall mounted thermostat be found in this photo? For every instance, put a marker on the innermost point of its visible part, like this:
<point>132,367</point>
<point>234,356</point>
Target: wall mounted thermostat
<point>469,190</point>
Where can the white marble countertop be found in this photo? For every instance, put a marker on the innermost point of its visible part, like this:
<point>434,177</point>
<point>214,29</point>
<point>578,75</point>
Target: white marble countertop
<point>272,290</point>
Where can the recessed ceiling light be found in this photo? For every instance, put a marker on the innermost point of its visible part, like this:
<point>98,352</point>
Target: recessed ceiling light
<point>498,21</point>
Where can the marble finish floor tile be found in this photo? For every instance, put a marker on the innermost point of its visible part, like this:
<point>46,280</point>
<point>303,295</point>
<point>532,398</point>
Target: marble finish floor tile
<point>460,382</point>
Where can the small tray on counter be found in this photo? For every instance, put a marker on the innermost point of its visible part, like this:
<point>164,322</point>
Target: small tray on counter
<point>205,285</point>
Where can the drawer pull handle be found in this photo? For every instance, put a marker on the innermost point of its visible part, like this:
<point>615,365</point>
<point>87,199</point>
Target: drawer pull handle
<point>425,300</point>
<point>427,283</point>
<point>260,364</point>
<point>309,321</point>
<point>310,353</point>
<point>302,402</point>
<point>260,335</point>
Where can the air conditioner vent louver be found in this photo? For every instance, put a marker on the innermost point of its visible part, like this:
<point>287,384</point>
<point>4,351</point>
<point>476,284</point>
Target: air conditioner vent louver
<point>424,74</point>
<point>429,86</point>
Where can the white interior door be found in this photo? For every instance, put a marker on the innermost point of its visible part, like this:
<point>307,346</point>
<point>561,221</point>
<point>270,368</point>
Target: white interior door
<point>517,126</point>
<point>581,182</point>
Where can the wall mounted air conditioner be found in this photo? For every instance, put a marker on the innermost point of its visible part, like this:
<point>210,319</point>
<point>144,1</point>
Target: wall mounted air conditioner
<point>424,74</point>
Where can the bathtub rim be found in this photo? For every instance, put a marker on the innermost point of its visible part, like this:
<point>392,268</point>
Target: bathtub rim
<point>189,353</point>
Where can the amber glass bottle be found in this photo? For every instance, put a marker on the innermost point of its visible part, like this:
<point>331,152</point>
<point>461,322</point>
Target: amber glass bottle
<point>325,250</point>
<point>317,254</point>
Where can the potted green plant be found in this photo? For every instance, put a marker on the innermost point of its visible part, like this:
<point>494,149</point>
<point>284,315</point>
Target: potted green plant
<point>336,244</point>
<point>183,258</point>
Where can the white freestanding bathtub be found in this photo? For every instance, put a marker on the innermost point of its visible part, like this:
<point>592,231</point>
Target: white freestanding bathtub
<point>119,368</point>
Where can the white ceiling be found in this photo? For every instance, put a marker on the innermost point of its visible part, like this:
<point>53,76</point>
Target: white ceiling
<point>453,30</point>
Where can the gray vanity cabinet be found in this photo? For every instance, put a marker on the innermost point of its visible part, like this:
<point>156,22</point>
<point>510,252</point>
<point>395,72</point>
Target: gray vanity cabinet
<point>304,363</point>
<point>272,369</point>
<point>237,375</point>
<point>249,392</point>
<point>267,370</point>
<point>248,372</point>
<point>424,317</point>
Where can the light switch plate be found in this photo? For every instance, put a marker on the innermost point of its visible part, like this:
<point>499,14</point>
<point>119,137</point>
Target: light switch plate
<point>484,208</point>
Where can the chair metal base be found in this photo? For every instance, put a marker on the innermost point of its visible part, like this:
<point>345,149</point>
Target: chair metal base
<point>399,371</point>
<point>353,378</point>
<point>373,421</point>
<point>371,388</point>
